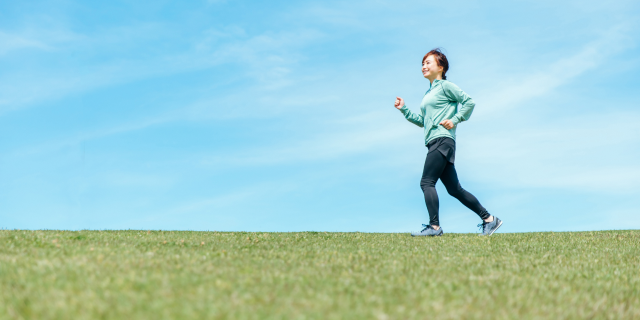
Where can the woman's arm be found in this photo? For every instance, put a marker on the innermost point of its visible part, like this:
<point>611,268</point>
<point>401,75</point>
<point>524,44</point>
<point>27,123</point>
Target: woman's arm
<point>464,113</point>
<point>417,119</point>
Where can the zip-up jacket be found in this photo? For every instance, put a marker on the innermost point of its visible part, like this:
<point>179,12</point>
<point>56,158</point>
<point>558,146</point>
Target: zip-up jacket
<point>441,103</point>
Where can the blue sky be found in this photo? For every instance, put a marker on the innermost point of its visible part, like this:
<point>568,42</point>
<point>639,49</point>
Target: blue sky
<point>278,116</point>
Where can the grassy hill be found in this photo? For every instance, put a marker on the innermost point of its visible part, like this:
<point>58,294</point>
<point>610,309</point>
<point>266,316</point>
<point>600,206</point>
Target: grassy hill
<point>309,275</point>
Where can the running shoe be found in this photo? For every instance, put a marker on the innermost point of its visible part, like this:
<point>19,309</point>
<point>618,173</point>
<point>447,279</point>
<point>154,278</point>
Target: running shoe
<point>427,231</point>
<point>488,228</point>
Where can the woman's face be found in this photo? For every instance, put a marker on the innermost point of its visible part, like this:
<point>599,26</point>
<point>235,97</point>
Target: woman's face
<point>430,68</point>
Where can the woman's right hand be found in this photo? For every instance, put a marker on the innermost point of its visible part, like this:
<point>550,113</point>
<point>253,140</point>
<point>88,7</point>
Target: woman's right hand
<point>399,103</point>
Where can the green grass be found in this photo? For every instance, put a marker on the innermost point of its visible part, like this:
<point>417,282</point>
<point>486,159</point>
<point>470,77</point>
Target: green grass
<point>218,275</point>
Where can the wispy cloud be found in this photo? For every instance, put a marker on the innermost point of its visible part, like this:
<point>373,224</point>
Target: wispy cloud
<point>219,211</point>
<point>574,154</point>
<point>74,140</point>
<point>10,42</point>
<point>267,56</point>
<point>516,89</point>
<point>336,145</point>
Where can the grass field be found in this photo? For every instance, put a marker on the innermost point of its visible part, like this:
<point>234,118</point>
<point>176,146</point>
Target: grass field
<point>220,275</point>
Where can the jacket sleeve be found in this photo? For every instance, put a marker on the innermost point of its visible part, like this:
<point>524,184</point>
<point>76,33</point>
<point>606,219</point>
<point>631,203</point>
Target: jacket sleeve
<point>464,112</point>
<point>415,118</point>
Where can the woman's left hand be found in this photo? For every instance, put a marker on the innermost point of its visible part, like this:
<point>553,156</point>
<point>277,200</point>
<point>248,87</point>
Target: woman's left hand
<point>448,124</point>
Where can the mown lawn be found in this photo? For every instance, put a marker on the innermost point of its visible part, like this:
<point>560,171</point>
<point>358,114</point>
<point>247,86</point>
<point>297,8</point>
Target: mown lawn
<point>309,275</point>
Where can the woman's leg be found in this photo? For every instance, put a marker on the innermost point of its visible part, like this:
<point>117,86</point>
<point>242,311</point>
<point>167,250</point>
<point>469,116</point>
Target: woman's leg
<point>433,167</point>
<point>449,178</point>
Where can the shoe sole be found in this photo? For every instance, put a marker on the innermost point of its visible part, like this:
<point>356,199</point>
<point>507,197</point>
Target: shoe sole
<point>435,235</point>
<point>494,230</point>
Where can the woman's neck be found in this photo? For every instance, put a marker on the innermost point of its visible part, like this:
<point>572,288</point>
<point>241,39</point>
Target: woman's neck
<point>437,77</point>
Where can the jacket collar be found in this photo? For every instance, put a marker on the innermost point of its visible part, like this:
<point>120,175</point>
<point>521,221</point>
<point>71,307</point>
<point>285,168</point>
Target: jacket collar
<point>436,81</point>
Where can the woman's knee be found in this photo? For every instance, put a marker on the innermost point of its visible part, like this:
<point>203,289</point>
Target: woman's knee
<point>455,191</point>
<point>427,183</point>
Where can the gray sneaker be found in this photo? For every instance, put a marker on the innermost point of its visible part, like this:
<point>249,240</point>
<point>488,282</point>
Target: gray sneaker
<point>488,228</point>
<point>427,231</point>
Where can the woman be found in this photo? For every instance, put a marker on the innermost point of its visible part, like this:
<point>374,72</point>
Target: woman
<point>439,115</point>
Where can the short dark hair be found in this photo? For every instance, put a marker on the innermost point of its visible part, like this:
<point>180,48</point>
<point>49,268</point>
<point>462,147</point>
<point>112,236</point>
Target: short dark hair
<point>441,60</point>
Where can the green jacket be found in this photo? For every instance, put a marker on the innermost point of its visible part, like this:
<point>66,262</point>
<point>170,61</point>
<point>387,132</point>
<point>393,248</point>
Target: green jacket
<point>441,103</point>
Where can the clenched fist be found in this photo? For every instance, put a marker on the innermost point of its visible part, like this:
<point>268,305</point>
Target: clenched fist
<point>399,103</point>
<point>448,124</point>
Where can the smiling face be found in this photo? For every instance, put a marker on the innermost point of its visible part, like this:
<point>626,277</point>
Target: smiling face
<point>431,69</point>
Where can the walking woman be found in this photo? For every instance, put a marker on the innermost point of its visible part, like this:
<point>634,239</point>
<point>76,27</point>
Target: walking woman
<point>439,115</point>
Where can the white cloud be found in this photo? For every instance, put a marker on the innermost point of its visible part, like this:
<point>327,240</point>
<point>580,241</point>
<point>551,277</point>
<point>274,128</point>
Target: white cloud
<point>74,140</point>
<point>513,90</point>
<point>582,154</point>
<point>10,42</point>
<point>267,56</point>
<point>343,138</point>
<point>225,209</point>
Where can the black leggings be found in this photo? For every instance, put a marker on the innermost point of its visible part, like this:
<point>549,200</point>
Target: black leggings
<point>437,167</point>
